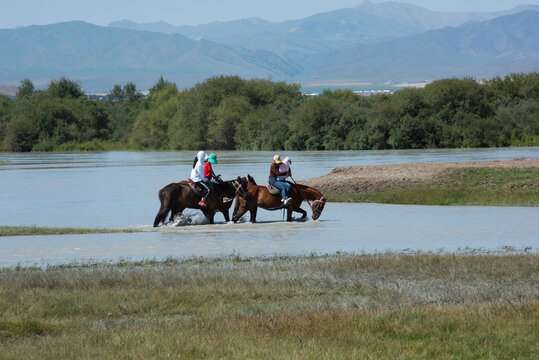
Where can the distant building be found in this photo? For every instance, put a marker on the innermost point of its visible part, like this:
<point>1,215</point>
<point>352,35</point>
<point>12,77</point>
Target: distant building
<point>368,93</point>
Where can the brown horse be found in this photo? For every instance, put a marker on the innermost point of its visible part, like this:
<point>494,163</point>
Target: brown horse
<point>260,197</point>
<point>176,197</point>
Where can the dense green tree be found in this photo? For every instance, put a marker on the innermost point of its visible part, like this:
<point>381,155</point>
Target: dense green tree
<point>131,93</point>
<point>384,117</point>
<point>345,96</point>
<point>64,87</point>
<point>21,134</point>
<point>263,129</point>
<point>160,85</point>
<point>449,96</point>
<point>189,126</point>
<point>116,94</point>
<point>151,127</point>
<point>6,108</point>
<point>26,88</point>
<point>310,121</point>
<point>224,119</point>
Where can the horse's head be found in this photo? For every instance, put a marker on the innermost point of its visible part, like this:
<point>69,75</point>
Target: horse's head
<point>241,187</point>
<point>318,207</point>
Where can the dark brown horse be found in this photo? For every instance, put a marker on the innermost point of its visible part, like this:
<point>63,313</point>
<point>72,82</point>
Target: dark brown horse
<point>260,197</point>
<point>176,197</point>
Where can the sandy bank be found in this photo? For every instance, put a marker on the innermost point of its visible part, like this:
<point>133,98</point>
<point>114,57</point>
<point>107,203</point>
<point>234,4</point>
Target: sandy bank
<point>370,178</point>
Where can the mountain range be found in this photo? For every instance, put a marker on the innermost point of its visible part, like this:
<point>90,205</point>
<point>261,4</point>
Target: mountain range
<point>371,42</point>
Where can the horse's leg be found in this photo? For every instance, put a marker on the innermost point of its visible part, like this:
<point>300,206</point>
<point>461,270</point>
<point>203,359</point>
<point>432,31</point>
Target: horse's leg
<point>253,213</point>
<point>289,214</point>
<point>225,214</point>
<point>239,213</point>
<point>300,210</point>
<point>208,214</point>
<point>236,207</point>
<point>161,215</point>
<point>175,212</point>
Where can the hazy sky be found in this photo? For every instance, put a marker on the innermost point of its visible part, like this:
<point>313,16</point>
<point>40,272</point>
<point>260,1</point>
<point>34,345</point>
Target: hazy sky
<point>15,13</point>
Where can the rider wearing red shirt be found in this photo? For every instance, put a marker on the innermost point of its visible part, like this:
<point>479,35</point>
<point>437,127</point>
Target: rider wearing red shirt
<point>209,176</point>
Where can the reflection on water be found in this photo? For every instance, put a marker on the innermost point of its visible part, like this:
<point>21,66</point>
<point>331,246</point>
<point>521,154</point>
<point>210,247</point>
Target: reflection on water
<point>343,227</point>
<point>119,189</point>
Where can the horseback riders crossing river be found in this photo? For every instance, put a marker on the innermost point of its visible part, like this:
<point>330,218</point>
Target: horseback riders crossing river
<point>206,191</point>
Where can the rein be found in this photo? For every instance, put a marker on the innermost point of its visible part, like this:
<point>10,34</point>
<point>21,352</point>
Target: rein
<point>301,192</point>
<point>239,189</point>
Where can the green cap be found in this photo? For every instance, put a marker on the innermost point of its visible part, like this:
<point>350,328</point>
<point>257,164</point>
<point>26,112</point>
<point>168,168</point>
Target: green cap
<point>212,158</point>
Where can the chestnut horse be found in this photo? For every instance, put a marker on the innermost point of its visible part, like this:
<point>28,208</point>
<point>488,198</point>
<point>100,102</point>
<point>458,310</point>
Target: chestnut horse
<point>176,197</point>
<point>260,197</point>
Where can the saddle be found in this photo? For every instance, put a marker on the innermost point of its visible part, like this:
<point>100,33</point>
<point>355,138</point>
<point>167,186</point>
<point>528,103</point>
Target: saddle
<point>198,190</point>
<point>273,190</point>
<point>195,188</point>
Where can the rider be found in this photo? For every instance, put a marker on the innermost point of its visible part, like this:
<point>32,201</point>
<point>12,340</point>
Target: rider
<point>285,167</point>
<point>208,170</point>
<point>197,175</point>
<point>276,182</point>
<point>210,176</point>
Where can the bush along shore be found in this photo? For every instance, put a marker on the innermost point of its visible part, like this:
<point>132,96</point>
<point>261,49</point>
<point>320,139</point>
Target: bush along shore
<point>501,183</point>
<point>343,306</point>
<point>227,113</point>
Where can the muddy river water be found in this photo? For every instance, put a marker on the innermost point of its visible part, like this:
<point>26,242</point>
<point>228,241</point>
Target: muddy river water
<point>119,190</point>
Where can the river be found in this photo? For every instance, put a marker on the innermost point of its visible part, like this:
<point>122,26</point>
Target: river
<point>119,189</point>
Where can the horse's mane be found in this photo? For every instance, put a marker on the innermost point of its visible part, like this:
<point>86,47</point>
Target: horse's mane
<point>251,179</point>
<point>307,189</point>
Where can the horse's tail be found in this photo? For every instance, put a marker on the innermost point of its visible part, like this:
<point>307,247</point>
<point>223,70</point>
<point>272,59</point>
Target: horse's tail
<point>163,209</point>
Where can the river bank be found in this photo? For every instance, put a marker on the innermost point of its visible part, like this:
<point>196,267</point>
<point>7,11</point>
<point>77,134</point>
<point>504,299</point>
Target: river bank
<point>340,306</point>
<point>512,182</point>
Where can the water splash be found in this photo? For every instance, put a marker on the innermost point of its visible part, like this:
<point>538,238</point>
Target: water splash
<point>188,219</point>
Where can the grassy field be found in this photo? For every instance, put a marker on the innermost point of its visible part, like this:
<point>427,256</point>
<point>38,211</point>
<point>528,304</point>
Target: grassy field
<point>420,306</point>
<point>465,186</point>
<point>34,230</point>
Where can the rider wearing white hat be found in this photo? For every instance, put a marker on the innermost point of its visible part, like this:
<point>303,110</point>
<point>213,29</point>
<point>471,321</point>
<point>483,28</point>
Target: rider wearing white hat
<point>274,181</point>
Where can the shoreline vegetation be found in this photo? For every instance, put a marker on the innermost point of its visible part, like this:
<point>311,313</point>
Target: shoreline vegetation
<point>35,230</point>
<point>488,183</point>
<point>344,306</point>
<point>231,113</point>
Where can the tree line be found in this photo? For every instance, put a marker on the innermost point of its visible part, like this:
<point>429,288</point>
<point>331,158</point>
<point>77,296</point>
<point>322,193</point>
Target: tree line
<point>228,113</point>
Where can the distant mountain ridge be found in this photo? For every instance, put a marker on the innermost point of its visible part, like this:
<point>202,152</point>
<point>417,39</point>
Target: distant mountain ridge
<point>84,50</point>
<point>362,44</point>
<point>295,41</point>
<point>367,21</point>
<point>495,47</point>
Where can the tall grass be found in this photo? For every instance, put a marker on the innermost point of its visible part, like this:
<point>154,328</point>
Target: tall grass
<point>342,306</point>
<point>466,186</point>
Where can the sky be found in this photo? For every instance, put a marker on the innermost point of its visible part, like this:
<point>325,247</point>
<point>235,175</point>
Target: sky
<point>17,13</point>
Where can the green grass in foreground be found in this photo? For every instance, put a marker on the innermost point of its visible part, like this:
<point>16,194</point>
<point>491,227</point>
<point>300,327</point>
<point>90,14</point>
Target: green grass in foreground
<point>34,230</point>
<point>336,307</point>
<point>468,186</point>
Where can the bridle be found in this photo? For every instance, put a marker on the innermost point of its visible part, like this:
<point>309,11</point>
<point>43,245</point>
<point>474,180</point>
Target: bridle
<point>239,190</point>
